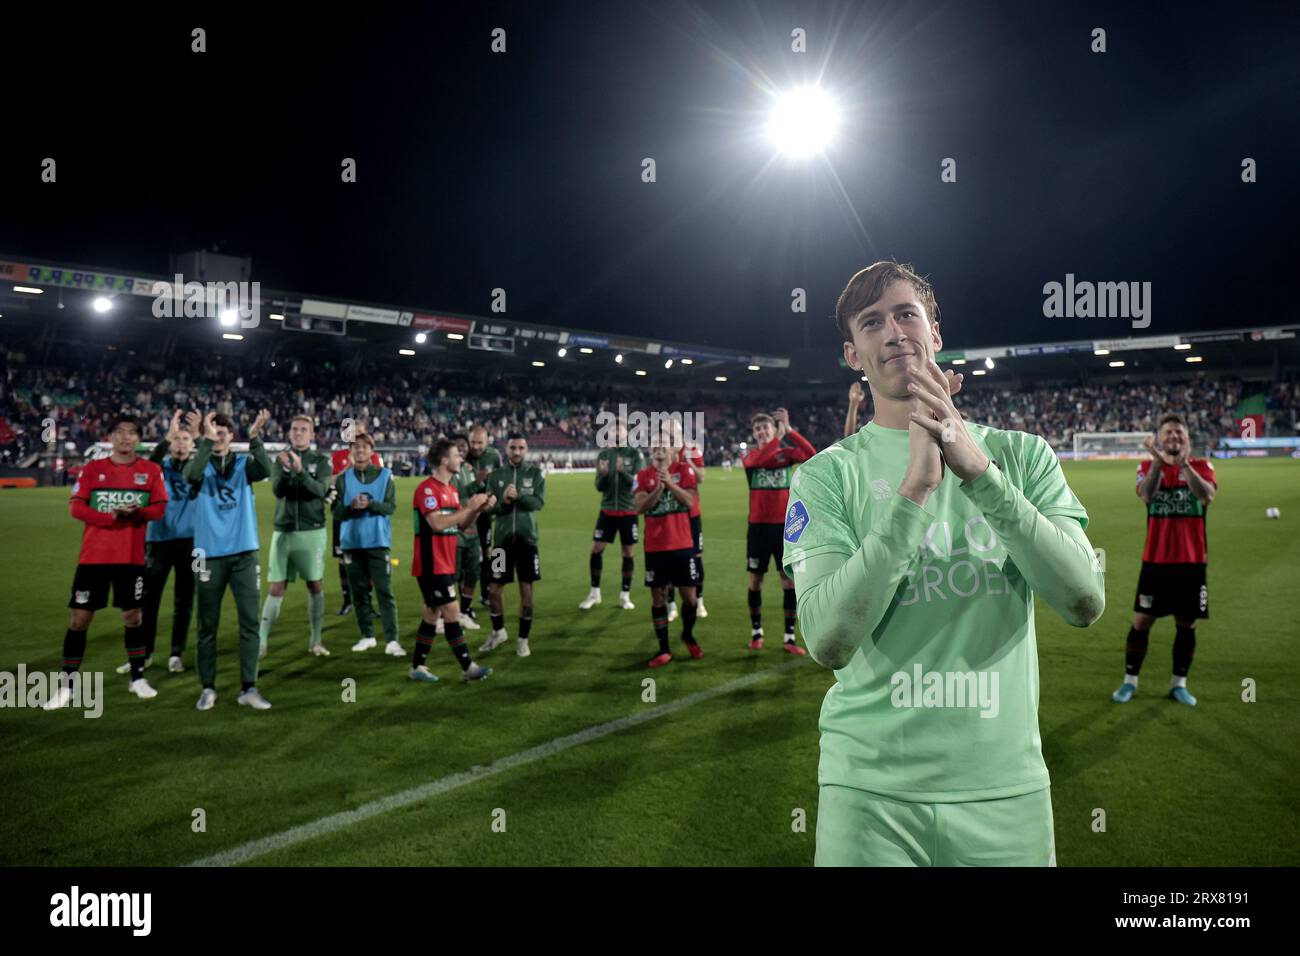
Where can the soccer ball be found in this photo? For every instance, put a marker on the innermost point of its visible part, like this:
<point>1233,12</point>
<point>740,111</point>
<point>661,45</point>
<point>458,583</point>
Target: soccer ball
<point>1272,513</point>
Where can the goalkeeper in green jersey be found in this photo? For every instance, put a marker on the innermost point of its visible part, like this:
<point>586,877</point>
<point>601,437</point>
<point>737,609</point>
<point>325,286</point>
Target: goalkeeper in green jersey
<point>917,546</point>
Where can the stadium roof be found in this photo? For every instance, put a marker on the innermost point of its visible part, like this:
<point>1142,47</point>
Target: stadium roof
<point>329,315</point>
<point>337,326</point>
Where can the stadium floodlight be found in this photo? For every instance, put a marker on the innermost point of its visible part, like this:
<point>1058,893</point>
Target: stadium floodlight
<point>686,361</point>
<point>719,378</point>
<point>586,351</point>
<point>421,338</point>
<point>619,358</point>
<point>641,371</point>
<point>236,337</point>
<point>803,122</point>
<point>668,364</point>
<point>276,317</point>
<point>455,336</point>
<point>537,364</point>
<point>979,371</point>
<point>29,290</point>
<point>1182,346</point>
<point>103,304</point>
<point>1194,358</point>
<point>988,363</point>
<point>562,352</point>
<point>954,362</point>
<point>406,351</point>
<point>1101,351</point>
<point>1117,364</point>
<point>229,317</point>
<point>753,368</point>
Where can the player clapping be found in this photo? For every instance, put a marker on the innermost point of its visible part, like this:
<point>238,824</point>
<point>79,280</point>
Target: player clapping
<point>1177,490</point>
<point>664,492</point>
<point>115,498</point>
<point>439,514</point>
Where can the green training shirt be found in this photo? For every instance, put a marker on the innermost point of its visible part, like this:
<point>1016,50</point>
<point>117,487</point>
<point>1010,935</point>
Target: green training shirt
<point>940,702</point>
<point>300,496</point>
<point>466,484</point>
<point>616,487</point>
<point>516,520</point>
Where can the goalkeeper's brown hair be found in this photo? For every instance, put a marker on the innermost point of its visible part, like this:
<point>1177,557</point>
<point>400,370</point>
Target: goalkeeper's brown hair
<point>869,284</point>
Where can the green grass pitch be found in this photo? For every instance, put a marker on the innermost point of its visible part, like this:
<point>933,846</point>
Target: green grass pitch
<point>718,782</point>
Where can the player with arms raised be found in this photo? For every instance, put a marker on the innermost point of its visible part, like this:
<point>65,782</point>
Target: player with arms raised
<point>855,405</point>
<point>1177,490</point>
<point>170,541</point>
<point>114,498</point>
<point>917,546</point>
<point>226,539</point>
<point>767,469</point>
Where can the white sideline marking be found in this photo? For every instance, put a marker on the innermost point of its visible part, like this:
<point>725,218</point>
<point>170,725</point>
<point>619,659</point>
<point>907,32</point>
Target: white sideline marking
<point>337,821</point>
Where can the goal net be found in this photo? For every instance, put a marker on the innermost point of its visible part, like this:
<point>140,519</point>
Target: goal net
<point>1110,444</point>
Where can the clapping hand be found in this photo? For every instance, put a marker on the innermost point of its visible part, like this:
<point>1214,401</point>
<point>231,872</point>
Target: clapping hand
<point>938,416</point>
<point>262,418</point>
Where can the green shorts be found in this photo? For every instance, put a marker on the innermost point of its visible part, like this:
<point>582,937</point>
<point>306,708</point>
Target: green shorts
<point>297,554</point>
<point>469,559</point>
<point>856,828</point>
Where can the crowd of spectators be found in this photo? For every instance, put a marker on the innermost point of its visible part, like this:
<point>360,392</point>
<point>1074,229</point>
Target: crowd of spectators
<point>401,407</point>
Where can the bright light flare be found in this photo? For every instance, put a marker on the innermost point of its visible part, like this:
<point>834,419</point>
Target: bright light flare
<point>803,122</point>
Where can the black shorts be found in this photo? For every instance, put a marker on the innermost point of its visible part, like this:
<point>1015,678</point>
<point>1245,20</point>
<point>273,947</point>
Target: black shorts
<point>483,524</point>
<point>764,541</point>
<point>607,526</point>
<point>437,589</point>
<point>91,583</point>
<point>680,568</point>
<point>697,533</point>
<point>1177,589</point>
<point>514,556</point>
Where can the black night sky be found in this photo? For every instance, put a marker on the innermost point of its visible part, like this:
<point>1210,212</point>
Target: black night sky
<point>523,170</point>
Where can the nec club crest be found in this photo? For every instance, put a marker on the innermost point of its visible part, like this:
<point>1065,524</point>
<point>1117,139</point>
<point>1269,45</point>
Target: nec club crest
<point>141,478</point>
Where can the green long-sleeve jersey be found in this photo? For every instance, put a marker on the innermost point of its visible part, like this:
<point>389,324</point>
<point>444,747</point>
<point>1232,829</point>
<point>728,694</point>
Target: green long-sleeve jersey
<point>926,612</point>
<point>466,484</point>
<point>300,495</point>
<point>615,486</point>
<point>490,459</point>
<point>516,520</point>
